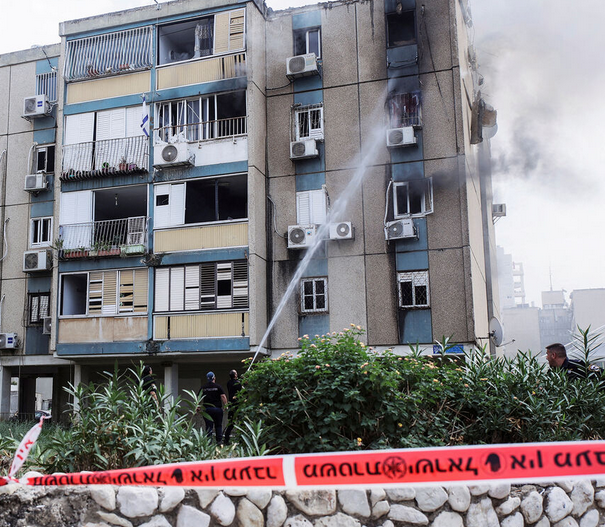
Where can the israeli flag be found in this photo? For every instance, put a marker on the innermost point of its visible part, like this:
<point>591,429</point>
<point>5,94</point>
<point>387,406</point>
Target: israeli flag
<point>145,118</point>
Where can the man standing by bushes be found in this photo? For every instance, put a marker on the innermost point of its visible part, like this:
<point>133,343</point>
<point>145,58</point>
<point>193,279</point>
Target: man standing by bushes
<point>214,400</point>
<point>556,355</point>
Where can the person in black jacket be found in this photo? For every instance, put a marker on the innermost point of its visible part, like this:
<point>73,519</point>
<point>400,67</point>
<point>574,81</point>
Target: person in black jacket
<point>214,400</point>
<point>233,386</point>
<point>556,355</point>
<point>149,383</point>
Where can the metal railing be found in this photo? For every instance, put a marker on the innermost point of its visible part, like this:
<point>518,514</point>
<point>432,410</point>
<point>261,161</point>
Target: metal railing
<point>103,238</point>
<point>105,158</point>
<point>204,131</point>
<point>109,54</point>
<point>46,84</point>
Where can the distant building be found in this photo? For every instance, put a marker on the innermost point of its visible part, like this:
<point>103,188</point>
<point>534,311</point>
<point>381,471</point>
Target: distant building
<point>555,319</point>
<point>588,307</point>
<point>521,330</point>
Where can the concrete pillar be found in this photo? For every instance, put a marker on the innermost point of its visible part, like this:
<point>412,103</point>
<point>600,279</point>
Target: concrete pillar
<point>171,382</point>
<point>5,392</point>
<point>80,377</point>
<point>61,398</point>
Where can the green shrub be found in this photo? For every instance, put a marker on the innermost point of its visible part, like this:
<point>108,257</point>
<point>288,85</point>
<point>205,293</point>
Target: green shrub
<point>337,394</point>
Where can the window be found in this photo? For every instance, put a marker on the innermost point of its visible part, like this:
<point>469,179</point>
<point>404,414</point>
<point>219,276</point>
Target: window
<point>401,29</point>
<point>405,110</point>
<point>413,289</point>
<point>38,308</point>
<point>44,160</point>
<point>314,295</point>
<point>201,201</point>
<point>309,122</point>
<point>104,292</point>
<point>46,84</point>
<point>40,232</point>
<point>202,118</point>
<point>202,37</point>
<point>307,41</point>
<point>202,287</point>
<point>413,198</point>
<point>311,207</point>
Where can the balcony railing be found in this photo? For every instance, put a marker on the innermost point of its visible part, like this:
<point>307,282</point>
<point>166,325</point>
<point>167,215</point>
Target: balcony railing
<point>204,131</point>
<point>105,158</point>
<point>123,236</point>
<point>109,54</point>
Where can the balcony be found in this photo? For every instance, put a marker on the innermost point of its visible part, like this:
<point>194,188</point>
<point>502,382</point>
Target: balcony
<point>109,54</point>
<point>204,131</point>
<point>119,237</point>
<point>99,159</point>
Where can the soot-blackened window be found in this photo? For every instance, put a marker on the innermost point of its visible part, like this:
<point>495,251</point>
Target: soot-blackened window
<point>401,29</point>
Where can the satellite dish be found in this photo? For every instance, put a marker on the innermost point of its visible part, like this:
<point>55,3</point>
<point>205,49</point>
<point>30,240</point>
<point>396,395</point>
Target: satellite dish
<point>496,333</point>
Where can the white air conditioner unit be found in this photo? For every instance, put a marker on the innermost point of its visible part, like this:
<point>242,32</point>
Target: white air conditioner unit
<point>301,65</point>
<point>46,325</point>
<point>36,106</point>
<point>342,231</point>
<point>37,260</point>
<point>301,236</point>
<point>172,154</point>
<point>35,182</point>
<point>399,229</point>
<point>401,136</point>
<point>304,149</point>
<point>9,341</point>
<point>498,210</point>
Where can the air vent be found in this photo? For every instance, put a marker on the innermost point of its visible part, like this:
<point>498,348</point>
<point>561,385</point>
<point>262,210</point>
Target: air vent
<point>169,153</point>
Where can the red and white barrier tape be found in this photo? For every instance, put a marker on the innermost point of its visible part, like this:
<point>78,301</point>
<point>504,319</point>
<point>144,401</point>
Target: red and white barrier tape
<point>444,465</point>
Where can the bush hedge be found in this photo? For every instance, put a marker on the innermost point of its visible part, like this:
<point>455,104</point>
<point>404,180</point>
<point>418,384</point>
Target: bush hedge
<point>337,394</point>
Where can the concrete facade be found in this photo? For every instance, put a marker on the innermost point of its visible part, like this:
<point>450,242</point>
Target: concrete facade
<point>196,284</point>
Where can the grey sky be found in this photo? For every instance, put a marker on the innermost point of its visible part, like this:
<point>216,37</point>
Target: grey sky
<point>543,65</point>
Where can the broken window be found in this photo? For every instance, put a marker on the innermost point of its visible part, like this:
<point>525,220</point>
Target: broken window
<point>413,198</point>
<point>314,295</point>
<point>201,201</point>
<point>405,110</point>
<point>38,308</point>
<point>413,289</point>
<point>307,41</point>
<point>202,118</point>
<point>40,232</point>
<point>44,160</point>
<point>201,287</point>
<point>401,29</point>
<point>309,122</point>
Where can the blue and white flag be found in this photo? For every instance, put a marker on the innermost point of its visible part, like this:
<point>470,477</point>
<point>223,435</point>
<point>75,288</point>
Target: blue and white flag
<point>145,118</point>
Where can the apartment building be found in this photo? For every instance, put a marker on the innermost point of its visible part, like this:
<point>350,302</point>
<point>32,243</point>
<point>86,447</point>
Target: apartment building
<point>201,146</point>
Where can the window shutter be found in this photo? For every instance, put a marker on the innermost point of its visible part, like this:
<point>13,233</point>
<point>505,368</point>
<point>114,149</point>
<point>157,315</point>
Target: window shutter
<point>236,30</point>
<point>177,204</point>
<point>76,207</point>
<point>161,213</point>
<point>134,117</point>
<point>95,293</point>
<point>224,285</point>
<point>140,290</point>
<point>109,292</point>
<point>318,206</point>
<point>177,289</point>
<point>111,124</point>
<point>303,211</point>
<point>240,284</point>
<point>221,32</point>
<point>162,281</point>
<point>126,291</point>
<point>79,128</point>
<point>208,286</point>
<point>192,287</point>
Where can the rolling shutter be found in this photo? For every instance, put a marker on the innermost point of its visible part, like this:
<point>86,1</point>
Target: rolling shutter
<point>192,287</point>
<point>240,283</point>
<point>177,289</point>
<point>126,291</point>
<point>236,30</point>
<point>140,290</point>
<point>95,293</point>
<point>109,293</point>
<point>311,207</point>
<point>162,282</point>
<point>208,286</point>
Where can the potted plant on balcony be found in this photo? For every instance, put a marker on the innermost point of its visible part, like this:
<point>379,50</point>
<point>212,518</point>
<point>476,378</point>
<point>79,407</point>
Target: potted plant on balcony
<point>123,166</point>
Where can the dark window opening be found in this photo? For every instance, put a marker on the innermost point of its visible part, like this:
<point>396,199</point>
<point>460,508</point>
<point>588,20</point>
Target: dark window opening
<point>45,159</point>
<point>407,297</point>
<point>185,40</point>
<point>401,29</point>
<point>120,202</point>
<point>307,41</point>
<point>413,197</point>
<point>162,199</point>
<point>73,294</point>
<point>219,199</point>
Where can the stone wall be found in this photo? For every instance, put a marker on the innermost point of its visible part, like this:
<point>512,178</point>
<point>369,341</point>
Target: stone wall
<point>567,504</point>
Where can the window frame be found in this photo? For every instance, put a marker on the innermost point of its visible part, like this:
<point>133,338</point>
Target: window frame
<point>49,153</point>
<point>40,317</point>
<point>417,279</point>
<point>118,311</point>
<point>314,295</point>
<point>315,133</point>
<point>427,196</point>
<point>39,229</point>
<point>388,32</point>
<point>306,32</point>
